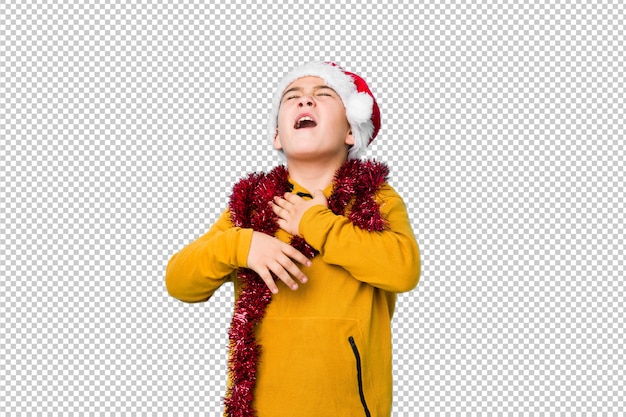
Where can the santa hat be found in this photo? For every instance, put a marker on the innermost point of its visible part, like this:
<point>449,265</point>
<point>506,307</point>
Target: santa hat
<point>362,110</point>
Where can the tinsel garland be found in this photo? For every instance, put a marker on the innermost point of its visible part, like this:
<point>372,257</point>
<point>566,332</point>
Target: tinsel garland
<point>355,182</point>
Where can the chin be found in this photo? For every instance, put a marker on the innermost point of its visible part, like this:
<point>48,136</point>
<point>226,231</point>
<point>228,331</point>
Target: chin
<point>303,155</point>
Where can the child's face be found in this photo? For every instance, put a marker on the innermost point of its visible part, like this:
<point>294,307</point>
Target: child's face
<point>312,122</point>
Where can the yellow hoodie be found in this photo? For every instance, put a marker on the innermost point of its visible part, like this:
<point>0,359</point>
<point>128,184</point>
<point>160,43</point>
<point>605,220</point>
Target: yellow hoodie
<point>326,348</point>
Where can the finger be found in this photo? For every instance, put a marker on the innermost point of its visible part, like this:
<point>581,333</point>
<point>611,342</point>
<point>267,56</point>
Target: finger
<point>319,194</point>
<point>283,275</point>
<point>296,255</point>
<point>283,224</point>
<point>269,281</point>
<point>293,269</point>
<point>319,197</point>
<point>281,202</point>
<point>277,209</point>
<point>293,198</point>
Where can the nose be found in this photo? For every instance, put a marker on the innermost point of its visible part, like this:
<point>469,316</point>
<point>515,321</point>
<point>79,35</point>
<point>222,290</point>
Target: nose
<point>306,100</point>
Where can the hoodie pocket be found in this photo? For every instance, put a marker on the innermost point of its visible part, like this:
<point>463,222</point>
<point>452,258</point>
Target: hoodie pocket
<point>309,367</point>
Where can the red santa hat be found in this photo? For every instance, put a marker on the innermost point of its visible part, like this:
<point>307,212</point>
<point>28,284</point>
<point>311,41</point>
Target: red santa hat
<point>362,110</point>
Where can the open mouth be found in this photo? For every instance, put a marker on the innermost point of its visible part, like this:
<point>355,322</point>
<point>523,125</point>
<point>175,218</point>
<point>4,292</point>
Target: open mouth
<point>305,122</point>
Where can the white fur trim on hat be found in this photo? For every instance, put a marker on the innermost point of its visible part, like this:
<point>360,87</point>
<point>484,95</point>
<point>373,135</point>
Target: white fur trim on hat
<point>358,105</point>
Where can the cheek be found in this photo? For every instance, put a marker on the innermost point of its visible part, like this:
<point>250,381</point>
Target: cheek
<point>282,120</point>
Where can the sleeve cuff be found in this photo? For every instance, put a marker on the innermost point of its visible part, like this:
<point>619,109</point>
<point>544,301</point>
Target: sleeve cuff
<point>315,224</point>
<point>243,247</point>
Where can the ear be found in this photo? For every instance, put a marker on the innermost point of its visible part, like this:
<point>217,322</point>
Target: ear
<point>349,138</point>
<point>277,145</point>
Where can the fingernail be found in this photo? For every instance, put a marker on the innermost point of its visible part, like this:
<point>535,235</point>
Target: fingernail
<point>304,279</point>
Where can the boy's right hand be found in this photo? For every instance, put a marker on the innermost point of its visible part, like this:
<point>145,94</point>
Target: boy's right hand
<point>268,254</point>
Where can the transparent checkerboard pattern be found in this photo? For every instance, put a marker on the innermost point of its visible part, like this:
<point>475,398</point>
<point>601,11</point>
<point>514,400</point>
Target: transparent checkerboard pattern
<point>123,126</point>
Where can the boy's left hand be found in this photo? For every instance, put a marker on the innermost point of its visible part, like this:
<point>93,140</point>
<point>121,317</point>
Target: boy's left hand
<point>291,208</point>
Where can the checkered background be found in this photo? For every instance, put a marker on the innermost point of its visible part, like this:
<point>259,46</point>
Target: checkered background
<point>123,126</point>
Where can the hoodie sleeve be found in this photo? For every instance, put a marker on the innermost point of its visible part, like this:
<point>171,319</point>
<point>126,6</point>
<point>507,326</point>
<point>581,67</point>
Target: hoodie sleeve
<point>199,269</point>
<point>389,260</point>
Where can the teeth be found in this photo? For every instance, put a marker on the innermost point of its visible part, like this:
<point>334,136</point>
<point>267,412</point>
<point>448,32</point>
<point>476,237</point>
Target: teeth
<point>303,119</point>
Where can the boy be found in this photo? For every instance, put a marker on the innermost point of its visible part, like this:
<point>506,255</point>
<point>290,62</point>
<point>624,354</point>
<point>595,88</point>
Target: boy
<point>317,252</point>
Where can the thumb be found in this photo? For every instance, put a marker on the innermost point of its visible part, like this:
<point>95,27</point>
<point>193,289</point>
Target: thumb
<point>320,198</point>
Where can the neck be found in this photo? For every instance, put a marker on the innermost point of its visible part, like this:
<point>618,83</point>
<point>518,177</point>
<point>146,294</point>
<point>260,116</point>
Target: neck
<point>314,175</point>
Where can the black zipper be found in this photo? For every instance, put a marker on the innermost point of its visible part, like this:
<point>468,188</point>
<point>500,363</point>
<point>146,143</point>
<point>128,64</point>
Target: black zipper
<point>299,193</point>
<point>359,374</point>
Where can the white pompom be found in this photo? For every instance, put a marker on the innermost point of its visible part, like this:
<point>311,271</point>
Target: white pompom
<point>359,108</point>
